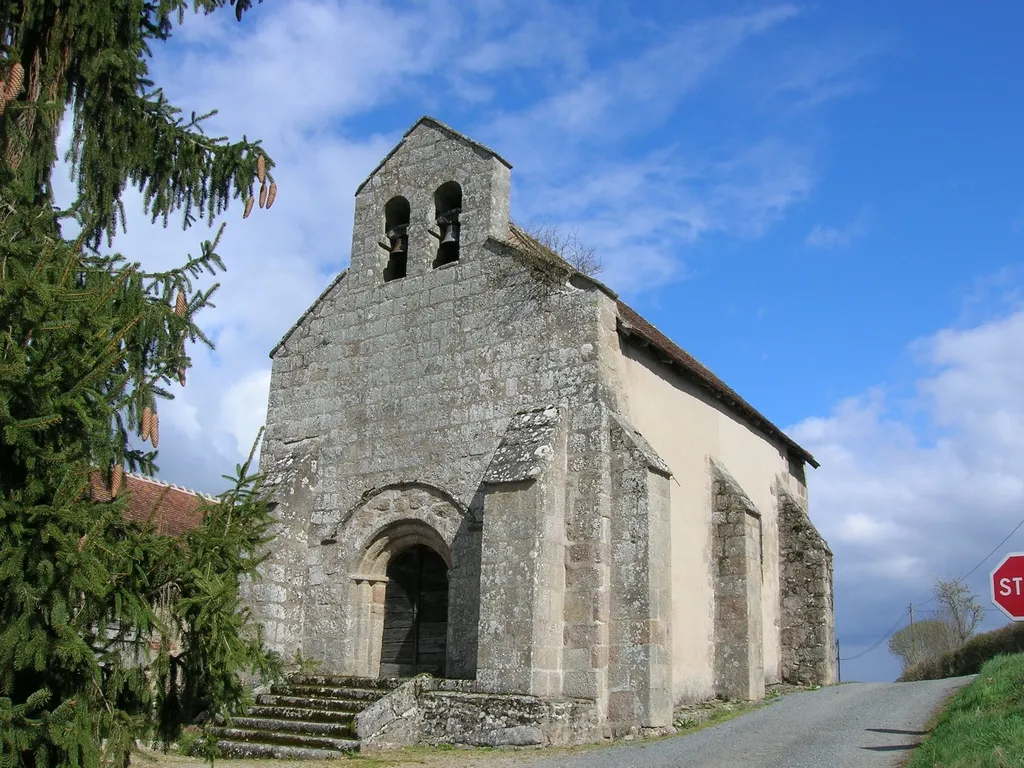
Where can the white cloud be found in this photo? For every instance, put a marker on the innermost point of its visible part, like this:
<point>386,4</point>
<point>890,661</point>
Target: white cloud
<point>242,409</point>
<point>759,184</point>
<point>908,493</point>
<point>830,238</point>
<point>861,527</point>
<point>512,42</point>
<point>801,77</point>
<point>187,417</point>
<point>576,166</point>
<point>640,215</point>
<point>300,66</point>
<point>631,95</point>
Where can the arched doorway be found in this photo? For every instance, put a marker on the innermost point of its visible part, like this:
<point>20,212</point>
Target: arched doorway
<point>415,634</point>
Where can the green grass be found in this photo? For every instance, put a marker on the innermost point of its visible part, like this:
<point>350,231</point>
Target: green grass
<point>983,725</point>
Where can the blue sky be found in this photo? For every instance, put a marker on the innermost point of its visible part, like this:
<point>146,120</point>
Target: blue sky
<point>822,202</point>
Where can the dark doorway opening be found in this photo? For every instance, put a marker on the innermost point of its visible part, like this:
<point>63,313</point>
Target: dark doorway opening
<point>415,614</point>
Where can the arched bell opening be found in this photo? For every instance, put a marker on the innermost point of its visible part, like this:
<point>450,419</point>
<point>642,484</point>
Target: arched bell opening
<point>396,229</point>
<point>447,207</point>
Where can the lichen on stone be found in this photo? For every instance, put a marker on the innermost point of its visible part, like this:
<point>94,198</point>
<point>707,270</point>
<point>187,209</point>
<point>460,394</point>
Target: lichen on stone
<point>526,446</point>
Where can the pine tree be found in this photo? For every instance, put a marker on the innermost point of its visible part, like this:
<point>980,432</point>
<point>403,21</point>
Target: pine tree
<point>90,343</point>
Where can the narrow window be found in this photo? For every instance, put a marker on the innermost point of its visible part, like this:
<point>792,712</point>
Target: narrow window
<point>447,207</point>
<point>396,229</point>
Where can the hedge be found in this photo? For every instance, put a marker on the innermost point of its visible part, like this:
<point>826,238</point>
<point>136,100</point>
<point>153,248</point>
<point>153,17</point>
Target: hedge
<point>968,659</point>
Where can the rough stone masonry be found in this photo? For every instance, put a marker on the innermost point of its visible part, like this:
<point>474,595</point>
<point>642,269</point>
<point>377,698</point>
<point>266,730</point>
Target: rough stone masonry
<point>488,468</point>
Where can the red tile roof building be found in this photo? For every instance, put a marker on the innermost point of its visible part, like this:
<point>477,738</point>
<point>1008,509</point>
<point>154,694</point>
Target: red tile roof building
<point>172,509</point>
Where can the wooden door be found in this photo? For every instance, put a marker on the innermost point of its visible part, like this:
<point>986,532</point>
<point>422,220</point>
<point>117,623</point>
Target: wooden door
<point>415,614</point>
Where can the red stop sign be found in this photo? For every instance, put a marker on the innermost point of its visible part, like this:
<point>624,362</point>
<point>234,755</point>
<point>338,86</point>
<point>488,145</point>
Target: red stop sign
<point>1008,586</point>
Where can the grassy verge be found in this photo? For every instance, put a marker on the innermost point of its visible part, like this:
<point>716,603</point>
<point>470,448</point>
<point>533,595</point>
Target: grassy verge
<point>983,725</point>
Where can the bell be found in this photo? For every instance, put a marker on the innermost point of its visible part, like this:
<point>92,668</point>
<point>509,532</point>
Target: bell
<point>396,244</point>
<point>449,234</point>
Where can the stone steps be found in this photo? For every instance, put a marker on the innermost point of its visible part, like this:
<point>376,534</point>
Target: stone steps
<point>307,714</point>
<point>305,717</point>
<point>341,730</point>
<point>341,681</point>
<point>276,751</point>
<point>256,736</point>
<point>280,701</point>
<point>330,692</point>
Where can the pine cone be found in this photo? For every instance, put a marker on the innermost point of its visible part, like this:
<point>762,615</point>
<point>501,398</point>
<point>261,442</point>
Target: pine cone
<point>154,433</point>
<point>116,478</point>
<point>261,169</point>
<point>13,155</point>
<point>272,194</point>
<point>181,376</point>
<point>248,207</point>
<point>180,305</point>
<point>146,425</point>
<point>263,194</point>
<point>15,81</point>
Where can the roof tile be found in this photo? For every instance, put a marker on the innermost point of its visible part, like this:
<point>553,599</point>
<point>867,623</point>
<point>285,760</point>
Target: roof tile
<point>173,510</point>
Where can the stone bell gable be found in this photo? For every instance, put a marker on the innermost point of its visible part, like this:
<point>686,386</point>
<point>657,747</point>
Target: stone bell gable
<point>488,468</point>
<point>435,178</point>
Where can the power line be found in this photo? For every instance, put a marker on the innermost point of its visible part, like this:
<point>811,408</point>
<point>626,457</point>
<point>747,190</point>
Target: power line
<point>994,550</point>
<point>980,562</point>
<point>881,640</point>
<point>892,629</point>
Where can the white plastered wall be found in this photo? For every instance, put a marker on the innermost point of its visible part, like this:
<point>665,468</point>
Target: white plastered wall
<point>685,425</point>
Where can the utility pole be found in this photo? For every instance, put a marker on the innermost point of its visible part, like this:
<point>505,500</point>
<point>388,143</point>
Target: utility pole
<point>913,638</point>
<point>839,664</point>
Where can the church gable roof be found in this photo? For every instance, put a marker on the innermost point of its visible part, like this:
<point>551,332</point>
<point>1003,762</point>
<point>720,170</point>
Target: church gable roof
<point>309,310</point>
<point>632,324</point>
<point>447,130</point>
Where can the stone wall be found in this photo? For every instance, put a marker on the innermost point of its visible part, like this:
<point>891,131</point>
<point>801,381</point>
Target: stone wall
<point>736,564</point>
<point>685,424</point>
<point>640,668</point>
<point>429,711</point>
<point>808,612</point>
<point>522,575</point>
<point>272,597</point>
<point>412,383</point>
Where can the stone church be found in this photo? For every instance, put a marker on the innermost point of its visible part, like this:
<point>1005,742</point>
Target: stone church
<point>488,468</point>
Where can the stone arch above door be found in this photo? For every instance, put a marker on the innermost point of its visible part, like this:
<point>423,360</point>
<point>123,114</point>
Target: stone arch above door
<point>369,525</point>
<point>386,522</point>
<point>380,507</point>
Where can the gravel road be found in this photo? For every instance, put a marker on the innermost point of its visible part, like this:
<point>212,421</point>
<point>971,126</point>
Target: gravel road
<point>857,725</point>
